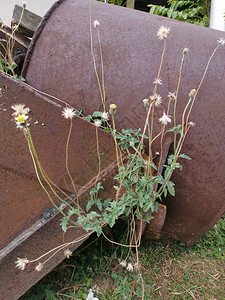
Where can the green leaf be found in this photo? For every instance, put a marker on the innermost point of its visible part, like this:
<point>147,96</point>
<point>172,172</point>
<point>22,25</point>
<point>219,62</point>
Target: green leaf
<point>89,205</point>
<point>79,111</point>
<point>64,223</point>
<point>170,186</point>
<point>50,295</point>
<point>184,156</point>
<point>97,114</point>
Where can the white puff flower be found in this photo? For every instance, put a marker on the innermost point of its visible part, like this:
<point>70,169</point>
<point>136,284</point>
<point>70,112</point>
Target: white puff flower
<point>39,267</point>
<point>123,263</point>
<point>98,123</point>
<point>90,296</point>
<point>20,109</point>
<point>165,119</point>
<point>105,116</point>
<point>68,253</point>
<point>221,41</point>
<point>156,99</point>
<point>158,81</point>
<point>21,263</point>
<point>68,113</point>
<point>96,23</point>
<point>163,32</point>
<point>130,267</point>
<point>192,124</point>
<point>171,96</point>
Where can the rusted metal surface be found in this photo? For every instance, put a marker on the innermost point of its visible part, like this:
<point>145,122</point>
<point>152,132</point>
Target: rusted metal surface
<point>132,54</point>
<point>157,223</point>
<point>27,227</point>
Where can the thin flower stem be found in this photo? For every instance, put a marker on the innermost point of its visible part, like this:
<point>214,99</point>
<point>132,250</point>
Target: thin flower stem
<point>149,149</point>
<point>182,127</point>
<point>98,153</point>
<point>39,180</point>
<point>94,61</point>
<point>160,66</point>
<point>161,147</point>
<point>62,246</point>
<point>102,65</point>
<point>119,244</point>
<point>67,165</point>
<point>200,84</point>
<point>175,102</point>
<point>42,173</point>
<point>116,145</point>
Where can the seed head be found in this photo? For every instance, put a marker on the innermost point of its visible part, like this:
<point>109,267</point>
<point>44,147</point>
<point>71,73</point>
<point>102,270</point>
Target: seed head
<point>21,263</point>
<point>221,41</point>
<point>123,263</point>
<point>39,267</point>
<point>68,113</point>
<point>105,116</point>
<point>98,123</point>
<point>156,99</point>
<point>130,267</point>
<point>165,119</point>
<point>68,253</point>
<point>171,96</point>
<point>20,109</point>
<point>158,81</point>
<point>96,23</point>
<point>163,32</point>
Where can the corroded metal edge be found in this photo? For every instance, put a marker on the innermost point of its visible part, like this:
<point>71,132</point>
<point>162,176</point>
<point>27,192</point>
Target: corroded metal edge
<point>37,34</point>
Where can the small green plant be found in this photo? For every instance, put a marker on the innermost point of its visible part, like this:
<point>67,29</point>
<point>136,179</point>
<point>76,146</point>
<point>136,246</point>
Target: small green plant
<point>115,2</point>
<point>141,181</point>
<point>196,12</point>
<point>7,64</point>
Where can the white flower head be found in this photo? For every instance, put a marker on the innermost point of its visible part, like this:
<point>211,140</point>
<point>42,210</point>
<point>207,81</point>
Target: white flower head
<point>39,267</point>
<point>145,101</point>
<point>185,51</point>
<point>90,296</point>
<point>21,263</point>
<point>156,99</point>
<point>163,32</point>
<point>130,267</point>
<point>221,41</point>
<point>171,96</point>
<point>68,253</point>
<point>165,119</point>
<point>97,123</point>
<point>158,81</point>
<point>20,109</point>
<point>68,113</point>
<point>96,23</point>
<point>123,263</point>
<point>24,3</point>
<point>156,153</point>
<point>192,124</point>
<point>21,119</point>
<point>105,116</point>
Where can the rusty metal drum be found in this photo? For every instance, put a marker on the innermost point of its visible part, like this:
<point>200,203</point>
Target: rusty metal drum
<point>59,62</point>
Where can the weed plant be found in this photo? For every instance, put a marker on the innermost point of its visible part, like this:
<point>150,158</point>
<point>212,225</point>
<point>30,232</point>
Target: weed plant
<point>141,184</point>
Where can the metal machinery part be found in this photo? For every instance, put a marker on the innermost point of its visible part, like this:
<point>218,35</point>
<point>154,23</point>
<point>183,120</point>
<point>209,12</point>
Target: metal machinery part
<point>59,62</point>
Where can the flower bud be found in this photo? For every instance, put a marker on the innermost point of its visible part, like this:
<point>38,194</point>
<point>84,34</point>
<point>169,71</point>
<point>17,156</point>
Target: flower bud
<point>192,93</point>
